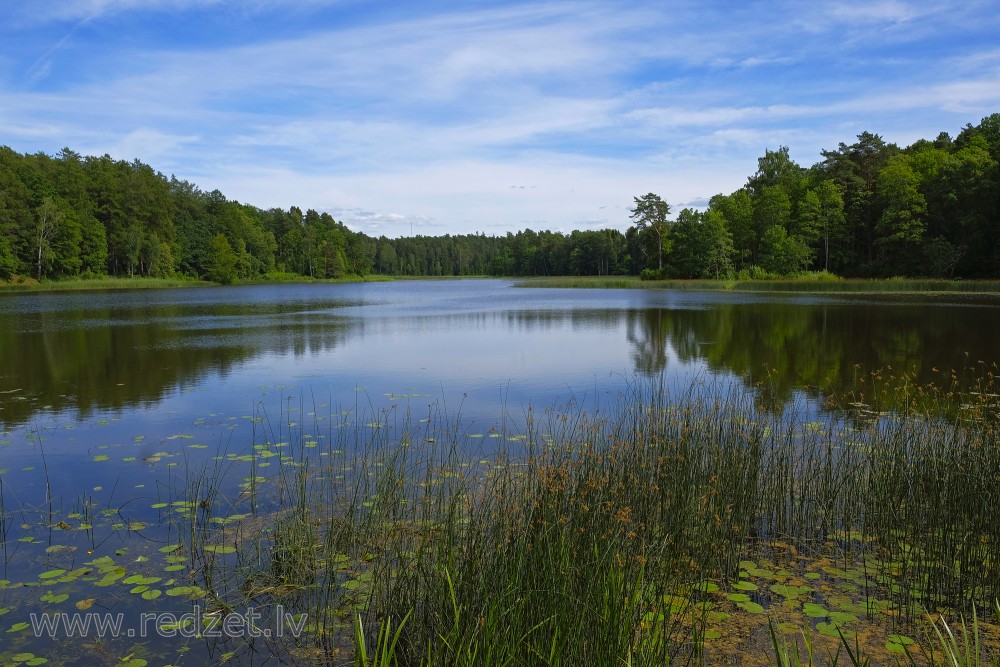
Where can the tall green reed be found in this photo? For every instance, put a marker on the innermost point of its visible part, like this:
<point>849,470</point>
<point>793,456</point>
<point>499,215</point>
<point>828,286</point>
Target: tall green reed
<point>563,543</point>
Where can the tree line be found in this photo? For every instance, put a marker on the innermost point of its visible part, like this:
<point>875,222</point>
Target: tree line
<point>867,209</point>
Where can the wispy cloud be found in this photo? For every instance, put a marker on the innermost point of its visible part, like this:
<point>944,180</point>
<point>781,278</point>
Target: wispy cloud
<point>426,114</point>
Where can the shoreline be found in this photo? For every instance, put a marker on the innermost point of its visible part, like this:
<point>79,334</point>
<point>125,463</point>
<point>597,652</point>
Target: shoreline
<point>987,291</point>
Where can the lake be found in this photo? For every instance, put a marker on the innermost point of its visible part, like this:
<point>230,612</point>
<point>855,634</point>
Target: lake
<point>110,402</point>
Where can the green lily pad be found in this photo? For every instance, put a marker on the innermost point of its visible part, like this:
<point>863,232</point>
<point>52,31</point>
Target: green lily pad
<point>813,610</point>
<point>745,586</point>
<point>51,574</point>
<point>790,592</point>
<point>750,607</point>
<point>834,630</point>
<point>220,549</point>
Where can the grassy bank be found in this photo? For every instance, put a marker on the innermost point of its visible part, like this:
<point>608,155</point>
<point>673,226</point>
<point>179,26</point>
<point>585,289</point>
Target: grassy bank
<point>106,283</point>
<point>691,528</point>
<point>110,283</point>
<point>828,286</point>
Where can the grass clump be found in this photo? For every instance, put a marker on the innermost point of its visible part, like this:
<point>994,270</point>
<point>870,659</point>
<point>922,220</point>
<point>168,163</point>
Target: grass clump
<point>633,536</point>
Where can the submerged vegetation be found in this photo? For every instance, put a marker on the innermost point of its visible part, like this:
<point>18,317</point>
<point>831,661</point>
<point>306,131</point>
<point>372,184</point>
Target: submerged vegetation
<point>699,527</point>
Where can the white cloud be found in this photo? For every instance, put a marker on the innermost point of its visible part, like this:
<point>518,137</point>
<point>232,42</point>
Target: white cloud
<point>151,144</point>
<point>429,119</point>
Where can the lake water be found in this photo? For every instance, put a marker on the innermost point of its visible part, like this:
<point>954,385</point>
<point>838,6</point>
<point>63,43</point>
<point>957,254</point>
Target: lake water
<point>107,399</point>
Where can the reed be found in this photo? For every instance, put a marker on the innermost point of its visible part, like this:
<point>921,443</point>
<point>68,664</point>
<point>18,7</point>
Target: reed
<point>105,283</point>
<point>605,538</point>
<point>806,283</point>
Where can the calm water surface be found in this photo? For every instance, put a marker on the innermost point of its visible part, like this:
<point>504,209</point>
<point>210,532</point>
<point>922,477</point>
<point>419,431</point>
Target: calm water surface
<point>105,396</point>
<point>85,372</point>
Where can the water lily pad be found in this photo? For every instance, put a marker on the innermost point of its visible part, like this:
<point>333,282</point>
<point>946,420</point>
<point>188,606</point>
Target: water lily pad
<point>745,586</point>
<point>790,592</point>
<point>893,647</point>
<point>761,573</point>
<point>51,574</point>
<point>750,607</point>
<point>220,549</point>
<point>834,630</point>
<point>185,591</point>
<point>842,617</point>
<point>110,577</point>
<point>813,610</point>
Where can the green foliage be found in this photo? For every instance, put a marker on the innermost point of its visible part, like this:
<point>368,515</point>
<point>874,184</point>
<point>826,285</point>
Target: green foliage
<point>8,263</point>
<point>782,254</point>
<point>702,246</point>
<point>222,260</point>
<point>868,209</point>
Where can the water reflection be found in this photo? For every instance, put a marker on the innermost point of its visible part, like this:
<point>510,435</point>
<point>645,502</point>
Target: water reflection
<point>86,354</point>
<point>98,359</point>
<point>821,348</point>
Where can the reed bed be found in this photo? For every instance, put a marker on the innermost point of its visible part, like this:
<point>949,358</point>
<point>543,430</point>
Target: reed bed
<point>24,284</point>
<point>612,538</point>
<point>828,284</point>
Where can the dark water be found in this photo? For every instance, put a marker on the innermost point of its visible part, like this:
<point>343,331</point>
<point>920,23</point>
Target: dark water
<point>104,397</point>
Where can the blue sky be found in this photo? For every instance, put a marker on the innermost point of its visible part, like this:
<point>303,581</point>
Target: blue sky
<point>465,117</point>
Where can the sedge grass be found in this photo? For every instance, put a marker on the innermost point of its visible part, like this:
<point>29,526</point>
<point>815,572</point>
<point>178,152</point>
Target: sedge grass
<point>598,539</point>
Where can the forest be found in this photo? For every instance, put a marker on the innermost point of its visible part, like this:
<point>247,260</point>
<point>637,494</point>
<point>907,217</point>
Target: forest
<point>866,209</point>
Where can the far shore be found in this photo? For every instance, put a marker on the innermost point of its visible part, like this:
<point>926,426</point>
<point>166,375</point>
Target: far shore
<point>931,287</point>
<point>961,290</point>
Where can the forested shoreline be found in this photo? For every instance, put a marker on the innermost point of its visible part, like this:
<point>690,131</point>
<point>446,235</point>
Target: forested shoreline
<point>867,209</point>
